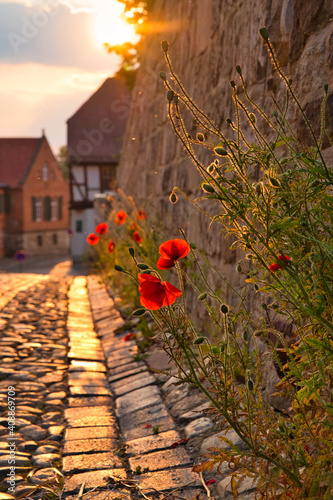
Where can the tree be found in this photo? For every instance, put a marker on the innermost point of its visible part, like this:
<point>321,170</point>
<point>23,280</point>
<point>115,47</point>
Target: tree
<point>136,12</point>
<point>62,161</point>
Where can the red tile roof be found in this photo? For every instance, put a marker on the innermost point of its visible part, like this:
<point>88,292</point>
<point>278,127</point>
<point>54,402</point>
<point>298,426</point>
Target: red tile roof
<point>16,158</point>
<point>95,132</point>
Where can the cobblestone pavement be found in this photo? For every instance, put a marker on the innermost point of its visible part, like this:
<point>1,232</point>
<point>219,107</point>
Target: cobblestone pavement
<point>92,420</point>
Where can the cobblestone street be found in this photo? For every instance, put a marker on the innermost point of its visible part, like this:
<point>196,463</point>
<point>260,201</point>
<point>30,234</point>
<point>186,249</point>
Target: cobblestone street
<point>92,420</point>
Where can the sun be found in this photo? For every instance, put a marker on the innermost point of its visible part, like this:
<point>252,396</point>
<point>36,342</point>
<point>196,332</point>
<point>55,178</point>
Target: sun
<point>110,26</point>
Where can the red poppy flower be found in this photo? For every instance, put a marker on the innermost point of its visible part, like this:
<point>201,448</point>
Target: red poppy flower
<point>275,267</point>
<point>111,246</point>
<point>171,251</point>
<point>101,228</point>
<point>128,336</point>
<point>155,294</point>
<point>141,215</point>
<point>137,237</point>
<point>147,426</point>
<point>120,218</point>
<point>210,481</point>
<point>92,239</point>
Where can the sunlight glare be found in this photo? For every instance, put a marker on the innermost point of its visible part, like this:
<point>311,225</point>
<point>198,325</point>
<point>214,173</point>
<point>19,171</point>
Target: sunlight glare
<point>110,25</point>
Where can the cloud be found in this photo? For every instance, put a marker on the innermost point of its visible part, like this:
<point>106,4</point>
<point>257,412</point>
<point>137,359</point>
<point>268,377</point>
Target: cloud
<point>51,35</point>
<point>32,99</point>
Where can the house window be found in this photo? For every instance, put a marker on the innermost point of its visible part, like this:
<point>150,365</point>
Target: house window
<point>39,241</point>
<point>108,178</point>
<point>54,209</point>
<point>37,210</point>
<point>79,226</point>
<point>47,208</point>
<point>45,171</point>
<point>55,239</point>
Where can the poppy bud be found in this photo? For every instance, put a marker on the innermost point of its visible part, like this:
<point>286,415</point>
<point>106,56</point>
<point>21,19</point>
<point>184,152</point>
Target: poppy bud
<point>326,88</point>
<point>200,137</point>
<point>221,151</point>
<point>175,98</point>
<point>170,95</point>
<point>275,113</point>
<point>232,83</point>
<point>211,168</point>
<point>245,335</point>
<point>250,384</point>
<point>165,46</point>
<point>264,33</point>
<point>192,245</point>
<point>274,182</point>
<point>162,75</point>
<point>315,183</point>
<point>143,266</point>
<point>256,287</point>
<point>239,268</point>
<point>147,271</point>
<point>224,308</point>
<point>131,251</point>
<point>139,312</point>
<point>208,188</point>
<point>239,71</point>
<point>228,120</point>
<point>202,296</point>
<point>252,118</point>
<point>199,340</point>
<point>173,198</point>
<point>264,306</point>
<point>119,268</point>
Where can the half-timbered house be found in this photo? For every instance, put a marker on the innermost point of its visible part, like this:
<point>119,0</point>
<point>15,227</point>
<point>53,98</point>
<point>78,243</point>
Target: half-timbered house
<point>94,140</point>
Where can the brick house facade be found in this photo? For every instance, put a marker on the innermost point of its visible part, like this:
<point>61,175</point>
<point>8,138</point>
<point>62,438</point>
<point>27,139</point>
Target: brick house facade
<point>35,198</point>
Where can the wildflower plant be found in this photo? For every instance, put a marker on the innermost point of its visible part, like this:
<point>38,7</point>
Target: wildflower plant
<point>275,199</point>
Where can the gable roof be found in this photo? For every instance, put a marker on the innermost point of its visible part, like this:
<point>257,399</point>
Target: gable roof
<point>95,132</point>
<point>16,159</point>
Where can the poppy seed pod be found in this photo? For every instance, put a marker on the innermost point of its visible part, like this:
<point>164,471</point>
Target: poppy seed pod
<point>165,46</point>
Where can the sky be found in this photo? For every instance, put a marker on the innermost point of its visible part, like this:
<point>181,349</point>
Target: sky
<point>51,60</point>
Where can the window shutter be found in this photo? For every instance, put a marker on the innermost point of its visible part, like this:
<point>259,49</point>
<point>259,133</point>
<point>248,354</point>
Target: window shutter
<point>34,212</point>
<point>47,208</point>
<point>60,207</point>
<point>7,202</point>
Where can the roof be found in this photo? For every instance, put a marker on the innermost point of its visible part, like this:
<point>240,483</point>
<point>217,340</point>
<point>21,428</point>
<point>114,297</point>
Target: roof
<point>16,158</point>
<point>95,132</point>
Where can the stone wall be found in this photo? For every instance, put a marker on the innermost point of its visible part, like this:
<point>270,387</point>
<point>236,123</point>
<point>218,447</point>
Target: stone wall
<point>207,39</point>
